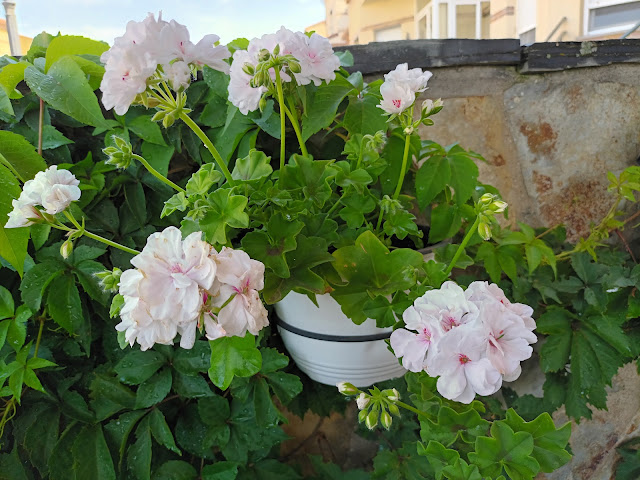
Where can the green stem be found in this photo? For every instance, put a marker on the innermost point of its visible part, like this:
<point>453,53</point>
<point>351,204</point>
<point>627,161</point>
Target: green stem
<point>207,143</point>
<point>379,224</point>
<point>411,409</point>
<point>293,118</point>
<point>465,240</point>
<point>35,351</point>
<point>282,117</point>
<point>333,208</point>
<point>361,154</point>
<point>98,237</point>
<point>403,171</point>
<point>157,174</point>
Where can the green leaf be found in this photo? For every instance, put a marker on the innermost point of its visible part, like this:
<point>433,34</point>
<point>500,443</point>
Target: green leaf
<point>10,76</point>
<point>6,303</point>
<point>139,454</point>
<point>36,280</point>
<point>13,241</point>
<point>5,103</point>
<point>322,110</point>
<point>235,127</point>
<point>91,455</point>
<point>118,431</point>
<point>309,176</point>
<point>220,471</point>
<point>135,200</point>
<point>147,130</point>
<point>39,46</point>
<point>438,456</point>
<point>17,330</point>
<point>159,156</point>
<point>447,430</point>
<point>177,202</point>
<point>72,45</point>
<point>555,352</point>
<point>191,386</point>
<point>549,442</point>
<point>201,181</point>
<point>63,303</point>
<point>505,449</point>
<point>363,115</point>
<point>11,467</point>
<point>161,431</point>
<point>197,437</point>
<point>401,464</point>
<point>137,366</point>
<point>175,470</point>
<point>446,221</point>
<point>217,81</point>
<point>434,175</point>
<point>233,356</point>
<point>41,437</point>
<point>193,361</point>
<point>61,459</point>
<point>462,471</point>
<point>226,210</point>
<point>65,87</point>
<point>252,168</point>
<point>86,273</point>
<point>154,389</point>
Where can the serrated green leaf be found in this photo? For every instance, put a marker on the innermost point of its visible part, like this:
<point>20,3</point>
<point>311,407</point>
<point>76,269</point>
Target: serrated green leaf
<point>64,305</point>
<point>161,431</point>
<point>6,304</point>
<point>363,115</point>
<point>175,470</point>
<point>322,109</point>
<point>225,210</point>
<point>434,175</point>
<point>252,168</point>
<point>233,356</point>
<point>202,180</point>
<point>91,457</point>
<point>137,366</point>
<point>72,45</point>
<point>438,456</point>
<point>220,471</point>
<point>139,454</point>
<point>154,389</point>
<point>147,130</point>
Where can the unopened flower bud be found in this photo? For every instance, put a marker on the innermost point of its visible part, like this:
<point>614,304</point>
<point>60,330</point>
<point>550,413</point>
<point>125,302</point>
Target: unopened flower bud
<point>385,419</point>
<point>393,409</point>
<point>264,54</point>
<point>66,248</point>
<point>295,67</point>
<point>158,116</point>
<point>347,388</point>
<point>119,154</point>
<point>110,279</point>
<point>429,107</point>
<point>262,104</point>
<point>372,419</point>
<point>484,230</point>
<point>408,130</point>
<point>486,199</point>
<point>363,401</point>
<point>394,395</point>
<point>498,206</point>
<point>276,49</point>
<point>362,416</point>
<point>169,119</point>
<point>248,69</point>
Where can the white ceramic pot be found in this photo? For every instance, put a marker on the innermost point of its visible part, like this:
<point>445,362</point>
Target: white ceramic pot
<point>329,347</point>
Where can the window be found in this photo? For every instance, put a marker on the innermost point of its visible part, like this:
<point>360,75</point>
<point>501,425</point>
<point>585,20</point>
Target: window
<point>528,37</point>
<point>526,18</point>
<point>460,19</point>
<point>388,34</point>
<point>604,17</point>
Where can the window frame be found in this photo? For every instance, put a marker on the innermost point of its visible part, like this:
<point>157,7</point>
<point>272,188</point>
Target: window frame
<point>451,17</point>
<point>590,5</point>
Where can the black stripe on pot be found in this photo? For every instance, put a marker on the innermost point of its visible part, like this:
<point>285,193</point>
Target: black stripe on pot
<point>333,338</point>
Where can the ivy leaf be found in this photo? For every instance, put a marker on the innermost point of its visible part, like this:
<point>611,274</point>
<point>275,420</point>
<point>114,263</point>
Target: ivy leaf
<point>381,310</point>
<point>358,178</point>
<point>233,356</point>
<point>220,471</point>
<point>201,181</point>
<point>462,471</point>
<point>309,176</point>
<point>91,455</point>
<point>447,430</point>
<point>549,442</point>
<point>363,115</point>
<point>356,206</point>
<point>252,168</point>
<point>271,246</point>
<point>175,470</point>
<point>63,302</point>
<point>322,109</point>
<point>176,202</point>
<point>438,456</point>
<point>505,449</point>
<point>161,431</point>
<point>401,464</point>
<point>432,178</point>
<point>225,210</point>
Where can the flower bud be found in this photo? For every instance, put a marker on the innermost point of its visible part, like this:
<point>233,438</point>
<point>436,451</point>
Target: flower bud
<point>110,279</point>
<point>385,419</point>
<point>372,419</point>
<point>276,50</point>
<point>295,67</point>
<point>248,69</point>
<point>264,54</point>
<point>363,401</point>
<point>119,154</point>
<point>158,116</point>
<point>408,130</point>
<point>362,416</point>
<point>169,119</point>
<point>393,395</point>
<point>484,230</point>
<point>498,206</point>
<point>486,199</point>
<point>393,409</point>
<point>66,248</point>
<point>347,388</point>
<point>262,104</point>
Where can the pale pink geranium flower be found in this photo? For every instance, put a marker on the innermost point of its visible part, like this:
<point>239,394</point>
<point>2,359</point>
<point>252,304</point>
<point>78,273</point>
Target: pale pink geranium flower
<point>417,343</point>
<point>241,93</point>
<point>22,215</point>
<point>415,79</point>
<point>179,74</point>
<point>316,57</point>
<point>238,280</point>
<point>172,273</point>
<point>396,98</point>
<point>507,339</point>
<point>484,291</point>
<point>447,306</point>
<point>463,369</point>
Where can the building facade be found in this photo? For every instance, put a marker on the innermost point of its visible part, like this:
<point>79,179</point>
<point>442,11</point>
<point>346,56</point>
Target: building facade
<point>350,22</point>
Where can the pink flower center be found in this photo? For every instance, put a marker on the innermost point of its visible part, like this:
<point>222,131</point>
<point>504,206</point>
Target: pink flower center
<point>449,322</point>
<point>177,268</point>
<point>396,103</point>
<point>244,289</point>
<point>463,358</point>
<point>425,335</point>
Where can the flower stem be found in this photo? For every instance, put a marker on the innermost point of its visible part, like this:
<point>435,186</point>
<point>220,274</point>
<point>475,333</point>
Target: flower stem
<point>156,173</point>
<point>465,240</point>
<point>293,118</point>
<point>412,409</point>
<point>403,170</point>
<point>35,351</point>
<point>207,143</point>
<point>282,117</point>
<point>98,237</point>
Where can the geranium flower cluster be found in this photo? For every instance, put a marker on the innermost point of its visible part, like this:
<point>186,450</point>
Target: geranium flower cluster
<point>315,62</point>
<point>155,46</point>
<point>179,286</point>
<point>472,340</point>
<point>400,88</point>
<point>52,189</point>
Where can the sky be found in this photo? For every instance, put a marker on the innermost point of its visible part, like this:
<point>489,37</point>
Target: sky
<point>106,19</point>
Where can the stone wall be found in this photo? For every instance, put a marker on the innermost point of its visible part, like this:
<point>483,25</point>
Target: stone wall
<point>550,119</point>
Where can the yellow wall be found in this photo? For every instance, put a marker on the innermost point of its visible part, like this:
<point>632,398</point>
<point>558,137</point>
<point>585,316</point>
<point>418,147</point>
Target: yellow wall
<point>320,28</point>
<point>25,42</point>
<point>367,16</point>
<point>503,19</point>
<point>550,12</point>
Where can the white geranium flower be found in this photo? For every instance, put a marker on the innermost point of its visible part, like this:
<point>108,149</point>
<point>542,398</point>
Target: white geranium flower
<point>363,401</point>
<point>316,57</point>
<point>396,97</point>
<point>179,74</point>
<point>447,307</point>
<point>415,79</point>
<point>415,344</point>
<point>22,214</point>
<point>238,280</point>
<point>206,52</point>
<point>462,367</point>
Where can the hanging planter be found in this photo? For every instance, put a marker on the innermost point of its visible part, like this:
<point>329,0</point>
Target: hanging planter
<point>329,347</point>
